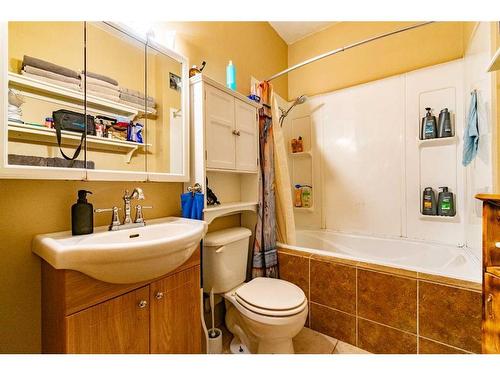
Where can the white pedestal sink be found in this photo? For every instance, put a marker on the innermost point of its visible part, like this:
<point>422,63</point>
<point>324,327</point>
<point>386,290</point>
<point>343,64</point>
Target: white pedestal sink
<point>124,256</point>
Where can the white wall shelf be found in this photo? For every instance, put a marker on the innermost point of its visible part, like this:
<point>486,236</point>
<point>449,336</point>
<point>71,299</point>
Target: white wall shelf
<point>451,219</point>
<point>299,154</point>
<point>224,209</point>
<point>21,83</point>
<point>42,134</point>
<point>435,142</point>
<point>304,209</point>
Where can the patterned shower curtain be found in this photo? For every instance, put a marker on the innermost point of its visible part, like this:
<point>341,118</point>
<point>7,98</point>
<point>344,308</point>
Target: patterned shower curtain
<point>265,257</point>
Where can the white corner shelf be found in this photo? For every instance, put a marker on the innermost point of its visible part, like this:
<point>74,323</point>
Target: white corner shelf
<point>435,142</point>
<point>224,209</point>
<point>42,134</point>
<point>304,209</point>
<point>448,219</point>
<point>21,82</point>
<point>303,153</point>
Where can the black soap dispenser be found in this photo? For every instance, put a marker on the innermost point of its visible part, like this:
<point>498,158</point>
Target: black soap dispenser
<point>82,215</point>
<point>444,124</point>
<point>446,202</point>
<point>428,129</point>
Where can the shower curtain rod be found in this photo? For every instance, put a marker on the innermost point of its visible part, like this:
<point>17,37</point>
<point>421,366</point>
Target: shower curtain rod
<point>342,49</point>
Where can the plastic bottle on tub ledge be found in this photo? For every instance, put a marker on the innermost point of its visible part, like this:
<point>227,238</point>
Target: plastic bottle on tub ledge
<point>298,196</point>
<point>428,129</point>
<point>446,203</point>
<point>306,196</point>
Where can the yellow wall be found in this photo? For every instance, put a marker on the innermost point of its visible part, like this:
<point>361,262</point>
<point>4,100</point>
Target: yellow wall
<point>32,207</point>
<point>429,45</point>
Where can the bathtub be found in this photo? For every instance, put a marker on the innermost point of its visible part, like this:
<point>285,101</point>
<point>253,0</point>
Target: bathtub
<point>423,257</point>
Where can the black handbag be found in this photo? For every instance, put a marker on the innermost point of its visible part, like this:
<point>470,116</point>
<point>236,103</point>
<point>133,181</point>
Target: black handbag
<point>72,121</point>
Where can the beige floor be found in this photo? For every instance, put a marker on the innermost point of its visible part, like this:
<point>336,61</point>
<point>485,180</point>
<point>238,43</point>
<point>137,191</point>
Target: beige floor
<point>307,342</point>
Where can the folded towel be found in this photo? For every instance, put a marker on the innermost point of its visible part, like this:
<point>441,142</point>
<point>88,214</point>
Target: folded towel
<point>99,82</point>
<point>135,93</point>
<point>52,81</point>
<point>105,90</point>
<point>45,65</point>
<point>471,134</point>
<point>48,74</point>
<point>136,100</point>
<point>139,106</point>
<point>101,77</point>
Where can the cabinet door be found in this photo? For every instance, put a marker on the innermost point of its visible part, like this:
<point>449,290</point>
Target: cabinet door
<point>219,127</point>
<point>246,136</point>
<point>491,314</point>
<point>117,326</point>
<point>175,313</point>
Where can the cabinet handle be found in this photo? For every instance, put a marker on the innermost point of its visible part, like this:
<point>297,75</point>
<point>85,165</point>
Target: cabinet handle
<point>159,295</point>
<point>143,304</point>
<point>489,306</point>
<point>236,132</point>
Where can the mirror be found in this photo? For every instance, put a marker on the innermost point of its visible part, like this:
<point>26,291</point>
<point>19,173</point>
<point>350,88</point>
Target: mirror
<point>117,100</point>
<point>44,61</point>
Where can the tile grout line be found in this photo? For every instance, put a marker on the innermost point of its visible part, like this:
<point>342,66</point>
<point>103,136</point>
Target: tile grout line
<point>357,321</point>
<point>448,345</point>
<point>418,316</point>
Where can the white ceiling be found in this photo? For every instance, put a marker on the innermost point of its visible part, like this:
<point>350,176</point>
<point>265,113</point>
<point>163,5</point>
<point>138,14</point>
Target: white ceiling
<point>291,32</point>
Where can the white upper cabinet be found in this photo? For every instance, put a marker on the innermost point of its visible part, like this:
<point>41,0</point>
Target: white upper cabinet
<point>246,124</point>
<point>220,129</point>
<point>231,132</point>
<point>120,103</point>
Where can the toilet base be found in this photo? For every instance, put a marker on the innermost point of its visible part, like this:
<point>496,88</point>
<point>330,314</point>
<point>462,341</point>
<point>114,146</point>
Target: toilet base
<point>237,347</point>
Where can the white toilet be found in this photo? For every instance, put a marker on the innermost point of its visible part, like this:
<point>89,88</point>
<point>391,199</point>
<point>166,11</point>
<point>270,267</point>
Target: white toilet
<point>264,314</point>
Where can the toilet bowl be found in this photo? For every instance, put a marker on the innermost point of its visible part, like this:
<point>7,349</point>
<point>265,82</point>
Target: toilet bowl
<point>263,314</point>
<point>261,324</point>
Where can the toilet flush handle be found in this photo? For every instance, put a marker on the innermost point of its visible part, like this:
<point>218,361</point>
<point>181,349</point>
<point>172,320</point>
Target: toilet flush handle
<point>220,249</point>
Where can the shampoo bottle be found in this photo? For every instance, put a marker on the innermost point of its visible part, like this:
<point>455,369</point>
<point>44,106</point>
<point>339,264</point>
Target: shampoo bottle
<point>306,196</point>
<point>298,196</point>
<point>429,206</point>
<point>82,215</point>
<point>428,129</point>
<point>446,203</point>
<point>231,75</point>
<point>444,124</point>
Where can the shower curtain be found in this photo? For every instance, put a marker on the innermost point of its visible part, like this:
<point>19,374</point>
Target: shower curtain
<point>265,256</point>
<point>275,212</point>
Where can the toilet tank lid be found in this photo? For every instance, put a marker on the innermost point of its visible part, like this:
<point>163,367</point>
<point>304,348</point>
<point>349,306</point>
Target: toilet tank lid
<point>226,236</point>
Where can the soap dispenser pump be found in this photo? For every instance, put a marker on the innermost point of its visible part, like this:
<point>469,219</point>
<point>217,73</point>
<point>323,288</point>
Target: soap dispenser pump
<point>82,215</point>
<point>428,129</point>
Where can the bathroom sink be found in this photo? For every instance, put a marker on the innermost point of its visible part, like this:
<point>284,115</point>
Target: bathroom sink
<point>124,256</point>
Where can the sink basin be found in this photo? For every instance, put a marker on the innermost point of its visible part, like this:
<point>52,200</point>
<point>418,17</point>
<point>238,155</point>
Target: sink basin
<point>124,256</point>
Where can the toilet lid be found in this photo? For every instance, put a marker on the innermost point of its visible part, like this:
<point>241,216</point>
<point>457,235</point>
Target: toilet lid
<point>265,295</point>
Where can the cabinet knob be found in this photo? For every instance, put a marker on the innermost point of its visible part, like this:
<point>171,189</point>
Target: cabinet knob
<point>159,295</point>
<point>489,306</point>
<point>143,304</point>
<point>236,132</point>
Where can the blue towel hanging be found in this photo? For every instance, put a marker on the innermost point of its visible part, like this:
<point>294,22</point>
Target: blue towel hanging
<point>471,134</point>
<point>187,204</point>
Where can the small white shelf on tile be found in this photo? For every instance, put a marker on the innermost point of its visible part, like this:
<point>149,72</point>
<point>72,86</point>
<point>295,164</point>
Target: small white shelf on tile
<point>29,85</point>
<point>299,154</point>
<point>45,135</point>
<point>224,209</point>
<point>435,142</point>
<point>446,219</point>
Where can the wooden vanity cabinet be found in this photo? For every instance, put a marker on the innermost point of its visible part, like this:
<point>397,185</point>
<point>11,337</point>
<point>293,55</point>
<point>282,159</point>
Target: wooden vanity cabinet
<point>81,315</point>
<point>491,273</point>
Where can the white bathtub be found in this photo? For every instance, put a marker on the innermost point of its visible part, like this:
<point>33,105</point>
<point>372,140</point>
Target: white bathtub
<point>441,260</point>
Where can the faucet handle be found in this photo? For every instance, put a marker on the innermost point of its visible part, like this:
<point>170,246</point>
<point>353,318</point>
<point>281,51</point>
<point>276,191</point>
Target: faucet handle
<point>139,218</point>
<point>115,220</point>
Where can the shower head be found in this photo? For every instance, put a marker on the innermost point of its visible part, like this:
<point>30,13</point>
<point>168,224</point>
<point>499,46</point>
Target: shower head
<point>300,100</point>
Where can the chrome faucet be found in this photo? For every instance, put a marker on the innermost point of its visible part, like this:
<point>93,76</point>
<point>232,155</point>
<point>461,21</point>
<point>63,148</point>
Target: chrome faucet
<point>127,223</point>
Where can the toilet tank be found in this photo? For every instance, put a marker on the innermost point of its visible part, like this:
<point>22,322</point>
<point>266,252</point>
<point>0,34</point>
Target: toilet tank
<point>225,254</point>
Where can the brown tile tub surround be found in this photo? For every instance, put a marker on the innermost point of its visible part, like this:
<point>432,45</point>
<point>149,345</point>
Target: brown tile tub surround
<point>375,307</point>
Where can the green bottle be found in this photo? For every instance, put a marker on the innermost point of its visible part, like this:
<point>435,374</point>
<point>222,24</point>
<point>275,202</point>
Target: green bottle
<point>446,202</point>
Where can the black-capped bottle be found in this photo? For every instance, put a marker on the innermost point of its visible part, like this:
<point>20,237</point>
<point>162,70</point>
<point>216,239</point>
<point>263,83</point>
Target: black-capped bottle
<point>428,128</point>
<point>82,215</point>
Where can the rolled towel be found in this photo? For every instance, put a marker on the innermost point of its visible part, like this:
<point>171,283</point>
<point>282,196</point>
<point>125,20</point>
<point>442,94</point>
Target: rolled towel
<point>45,65</point>
<point>52,81</point>
<point>102,77</point>
<point>99,82</point>
<point>48,74</point>
<point>113,98</point>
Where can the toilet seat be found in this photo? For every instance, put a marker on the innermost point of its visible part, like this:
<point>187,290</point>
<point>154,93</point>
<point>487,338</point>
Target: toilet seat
<point>269,297</point>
